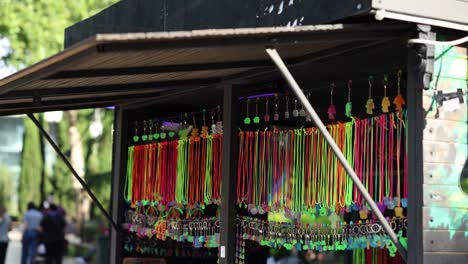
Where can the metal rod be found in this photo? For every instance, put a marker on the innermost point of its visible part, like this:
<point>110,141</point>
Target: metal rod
<point>72,170</point>
<point>310,110</point>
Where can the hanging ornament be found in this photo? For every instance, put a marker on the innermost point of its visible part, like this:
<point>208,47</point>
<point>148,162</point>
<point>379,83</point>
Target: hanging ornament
<point>363,213</point>
<point>136,138</point>
<point>219,123</point>
<point>204,127</point>
<point>295,111</point>
<point>144,137</point>
<point>266,117</point>
<point>163,133</point>
<point>302,112</point>
<point>385,99</point>
<point>349,105</point>
<point>286,112</point>
<point>247,120</point>
<point>194,129</point>
<point>256,118</point>
<point>399,101</point>
<point>370,102</point>
<point>150,134</point>
<point>331,109</point>
<point>213,124</point>
<point>398,211</point>
<point>276,115</point>
<point>156,131</point>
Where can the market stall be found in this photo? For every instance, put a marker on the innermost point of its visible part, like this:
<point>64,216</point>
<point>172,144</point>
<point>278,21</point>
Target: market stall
<point>220,153</point>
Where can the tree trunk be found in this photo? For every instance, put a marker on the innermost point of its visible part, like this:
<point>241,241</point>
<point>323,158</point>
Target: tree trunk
<point>77,160</point>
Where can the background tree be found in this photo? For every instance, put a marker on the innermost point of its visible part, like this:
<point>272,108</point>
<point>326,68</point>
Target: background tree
<point>35,28</point>
<point>5,185</point>
<point>32,164</point>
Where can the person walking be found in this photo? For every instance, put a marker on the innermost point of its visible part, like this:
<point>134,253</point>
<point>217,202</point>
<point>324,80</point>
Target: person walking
<point>31,220</point>
<point>53,234</point>
<point>5,223</point>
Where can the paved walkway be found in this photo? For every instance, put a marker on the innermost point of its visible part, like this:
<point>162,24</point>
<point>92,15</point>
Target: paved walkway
<point>14,249</point>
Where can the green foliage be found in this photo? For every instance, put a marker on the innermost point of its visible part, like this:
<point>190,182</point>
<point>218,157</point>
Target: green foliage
<point>6,185</point>
<point>61,179</point>
<point>99,160</point>
<point>35,28</point>
<point>464,184</point>
<point>31,166</point>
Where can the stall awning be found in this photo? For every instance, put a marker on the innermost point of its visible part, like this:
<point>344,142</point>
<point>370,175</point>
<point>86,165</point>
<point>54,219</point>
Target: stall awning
<point>110,69</point>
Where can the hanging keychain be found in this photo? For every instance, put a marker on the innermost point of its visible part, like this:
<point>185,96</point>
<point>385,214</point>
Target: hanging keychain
<point>331,109</point>
<point>276,116</point>
<point>385,99</point>
<point>266,117</point>
<point>156,130</point>
<point>247,120</point>
<point>136,138</point>
<point>349,105</point>
<point>256,119</point>
<point>399,101</point>
<point>163,133</point>
<point>286,112</point>
<point>370,102</point>
<point>219,123</point>
<point>204,127</point>
<point>302,112</point>
<point>213,124</point>
<point>150,134</point>
<point>295,111</point>
<point>144,137</point>
<point>194,129</point>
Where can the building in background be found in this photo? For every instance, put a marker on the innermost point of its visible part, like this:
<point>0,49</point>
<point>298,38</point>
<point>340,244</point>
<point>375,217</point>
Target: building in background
<point>11,144</point>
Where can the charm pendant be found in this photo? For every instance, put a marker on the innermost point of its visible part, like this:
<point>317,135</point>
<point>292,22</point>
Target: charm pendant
<point>276,117</point>
<point>331,112</point>
<point>136,138</point>
<point>385,104</point>
<point>295,111</point>
<point>348,108</point>
<point>370,106</point>
<point>266,117</point>
<point>399,101</point>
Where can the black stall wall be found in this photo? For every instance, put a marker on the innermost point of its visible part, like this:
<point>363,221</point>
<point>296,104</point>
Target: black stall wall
<point>177,15</point>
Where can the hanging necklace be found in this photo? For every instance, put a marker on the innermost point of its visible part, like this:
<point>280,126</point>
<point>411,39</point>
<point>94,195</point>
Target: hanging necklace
<point>129,178</point>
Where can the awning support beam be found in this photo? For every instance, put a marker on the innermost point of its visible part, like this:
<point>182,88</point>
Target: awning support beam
<point>276,58</point>
<point>72,170</point>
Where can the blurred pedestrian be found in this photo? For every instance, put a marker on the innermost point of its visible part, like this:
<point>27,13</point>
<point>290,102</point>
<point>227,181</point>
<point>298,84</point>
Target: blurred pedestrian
<point>51,200</point>
<point>53,234</point>
<point>31,221</point>
<point>5,224</point>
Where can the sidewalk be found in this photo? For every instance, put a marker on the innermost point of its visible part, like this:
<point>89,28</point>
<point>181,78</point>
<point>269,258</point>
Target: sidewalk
<point>14,249</point>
